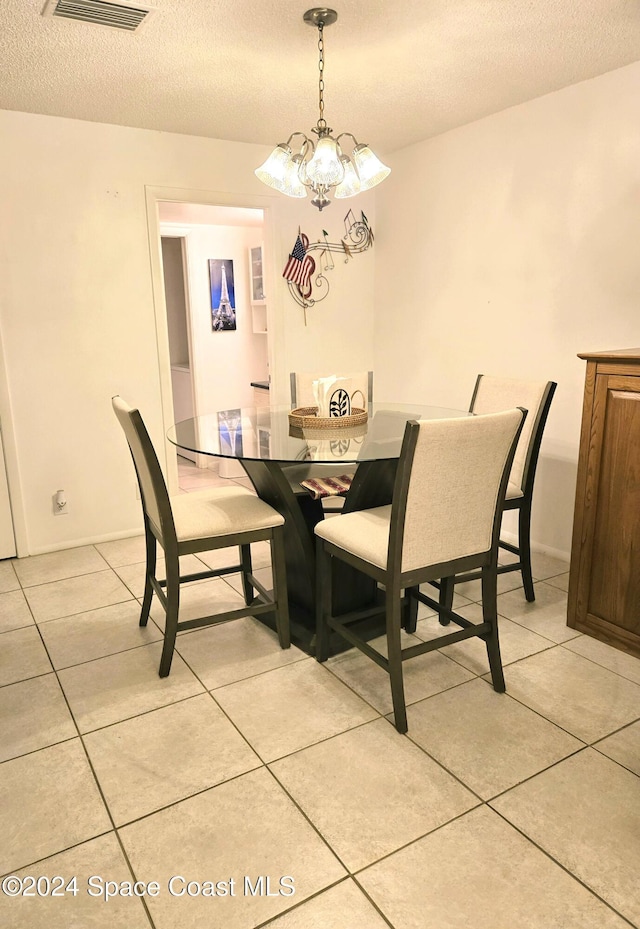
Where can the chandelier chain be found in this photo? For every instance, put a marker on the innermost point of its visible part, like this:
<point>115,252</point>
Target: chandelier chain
<point>322,124</point>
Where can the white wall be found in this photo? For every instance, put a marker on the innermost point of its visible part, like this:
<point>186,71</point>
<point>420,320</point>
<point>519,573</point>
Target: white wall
<point>224,363</point>
<point>77,313</point>
<point>338,336</point>
<point>507,247</point>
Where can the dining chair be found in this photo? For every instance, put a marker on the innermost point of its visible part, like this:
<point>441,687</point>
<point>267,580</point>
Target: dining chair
<point>490,395</point>
<point>444,518</point>
<point>198,522</point>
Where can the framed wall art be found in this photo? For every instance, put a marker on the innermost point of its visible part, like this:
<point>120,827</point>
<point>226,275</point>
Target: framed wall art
<point>223,294</point>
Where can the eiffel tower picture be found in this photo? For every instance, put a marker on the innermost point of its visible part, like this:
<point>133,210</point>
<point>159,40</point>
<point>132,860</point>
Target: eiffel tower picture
<point>223,314</point>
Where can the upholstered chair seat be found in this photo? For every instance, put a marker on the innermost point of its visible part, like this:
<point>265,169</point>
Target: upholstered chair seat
<point>219,512</point>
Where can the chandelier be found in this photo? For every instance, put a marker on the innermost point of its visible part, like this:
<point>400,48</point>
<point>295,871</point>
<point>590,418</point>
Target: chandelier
<point>321,167</point>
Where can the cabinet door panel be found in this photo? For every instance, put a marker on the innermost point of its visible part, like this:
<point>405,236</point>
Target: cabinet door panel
<point>614,589</point>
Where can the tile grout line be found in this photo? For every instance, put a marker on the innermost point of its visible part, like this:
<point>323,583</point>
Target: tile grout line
<point>98,787</point>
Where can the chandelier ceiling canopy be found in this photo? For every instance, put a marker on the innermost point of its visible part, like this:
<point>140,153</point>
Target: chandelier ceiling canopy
<point>321,167</point>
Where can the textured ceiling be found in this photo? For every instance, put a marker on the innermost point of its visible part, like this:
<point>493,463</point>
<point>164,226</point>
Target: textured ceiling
<point>397,71</point>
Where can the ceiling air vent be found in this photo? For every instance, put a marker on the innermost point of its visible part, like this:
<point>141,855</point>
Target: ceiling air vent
<point>126,16</point>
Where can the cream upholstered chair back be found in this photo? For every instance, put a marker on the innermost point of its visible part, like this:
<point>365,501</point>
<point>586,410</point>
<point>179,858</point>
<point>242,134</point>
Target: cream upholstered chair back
<point>155,497</point>
<point>493,394</point>
<point>455,486</point>
<point>360,390</point>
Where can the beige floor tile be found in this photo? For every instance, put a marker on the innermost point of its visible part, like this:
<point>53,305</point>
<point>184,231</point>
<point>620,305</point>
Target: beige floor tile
<point>472,590</point>
<point>123,551</point>
<point>34,714</point>
<point>14,611</point>
<point>370,791</point>
<point>578,695</point>
<point>260,556</point>
<point>343,905</point>
<point>56,566</point>
<point>151,761</point>
<point>516,642</point>
<point>458,599</point>
<point>289,708</point>
<point>506,557</point>
<point>112,689</point>
<point>101,858</point>
<point>247,827</point>
<point>22,655</point>
<point>544,566</point>
<point>486,739</point>
<point>561,581</point>
<point>623,747</point>
<point>423,676</point>
<point>96,634</point>
<point>75,595</point>
<point>8,579</point>
<point>133,574</point>
<point>190,479</point>
<point>585,812</point>
<point>234,651</point>
<point>606,655</point>
<point>201,598</point>
<point>547,615</point>
<point>243,482</point>
<point>262,574</point>
<point>479,872</point>
<point>50,802</point>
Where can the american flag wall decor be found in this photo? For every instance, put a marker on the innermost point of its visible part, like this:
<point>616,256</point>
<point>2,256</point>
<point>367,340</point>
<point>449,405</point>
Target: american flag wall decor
<point>301,266</point>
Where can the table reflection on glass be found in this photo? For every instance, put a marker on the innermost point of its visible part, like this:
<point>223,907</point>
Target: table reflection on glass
<point>276,457</point>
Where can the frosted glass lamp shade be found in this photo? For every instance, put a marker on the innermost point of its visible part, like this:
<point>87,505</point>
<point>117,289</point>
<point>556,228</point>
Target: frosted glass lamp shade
<point>292,185</point>
<point>325,168</point>
<point>351,183</point>
<point>273,172</point>
<point>370,169</point>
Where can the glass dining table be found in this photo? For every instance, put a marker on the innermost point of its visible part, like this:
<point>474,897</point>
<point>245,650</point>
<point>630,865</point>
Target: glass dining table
<point>277,456</point>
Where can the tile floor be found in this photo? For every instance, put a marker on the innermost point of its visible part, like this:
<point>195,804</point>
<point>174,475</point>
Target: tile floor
<point>250,771</point>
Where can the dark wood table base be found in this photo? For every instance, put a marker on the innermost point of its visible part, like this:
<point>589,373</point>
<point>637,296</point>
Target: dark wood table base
<point>372,486</point>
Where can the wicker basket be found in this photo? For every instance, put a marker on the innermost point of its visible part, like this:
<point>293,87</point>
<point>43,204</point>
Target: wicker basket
<point>306,417</point>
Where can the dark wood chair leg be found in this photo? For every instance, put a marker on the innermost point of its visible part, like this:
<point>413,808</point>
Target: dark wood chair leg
<point>150,571</point>
<point>524,543</point>
<point>171,617</point>
<point>278,570</point>
<point>410,610</point>
<point>445,598</point>
<point>490,615</point>
<point>323,600</point>
<point>394,655</point>
<point>245,561</point>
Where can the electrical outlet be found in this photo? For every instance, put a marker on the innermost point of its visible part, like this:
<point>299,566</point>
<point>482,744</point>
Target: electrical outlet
<point>60,503</point>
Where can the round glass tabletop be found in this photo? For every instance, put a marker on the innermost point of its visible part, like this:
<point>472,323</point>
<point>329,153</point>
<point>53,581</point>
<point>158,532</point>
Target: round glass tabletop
<point>264,433</point>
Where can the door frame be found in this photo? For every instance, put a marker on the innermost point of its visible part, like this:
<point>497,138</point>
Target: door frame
<point>153,196</point>
<point>181,232</point>
<point>10,463</point>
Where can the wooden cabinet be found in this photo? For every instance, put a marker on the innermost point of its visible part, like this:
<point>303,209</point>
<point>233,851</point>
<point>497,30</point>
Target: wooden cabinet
<point>604,583</point>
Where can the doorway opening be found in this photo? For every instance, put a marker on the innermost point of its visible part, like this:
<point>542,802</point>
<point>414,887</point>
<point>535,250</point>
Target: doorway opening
<point>207,366</point>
